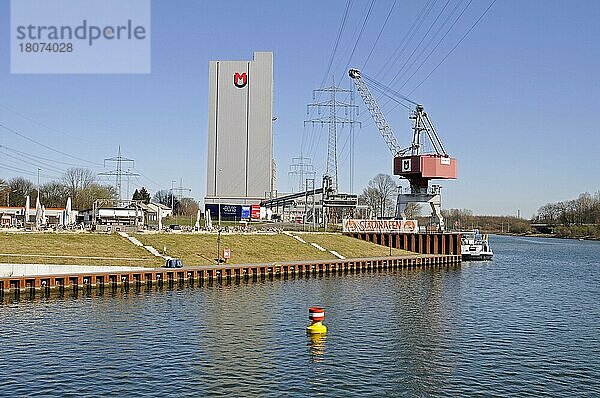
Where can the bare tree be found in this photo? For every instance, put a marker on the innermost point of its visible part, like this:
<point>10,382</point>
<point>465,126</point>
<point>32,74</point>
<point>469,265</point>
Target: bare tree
<point>581,211</point>
<point>53,194</point>
<point>76,180</point>
<point>5,189</point>
<point>88,195</point>
<point>19,188</point>
<point>380,195</point>
<point>187,207</point>
<point>412,210</point>
<point>165,197</point>
<point>371,198</point>
<point>458,218</point>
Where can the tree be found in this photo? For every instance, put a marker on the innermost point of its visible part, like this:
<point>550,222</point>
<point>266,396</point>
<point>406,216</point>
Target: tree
<point>5,189</point>
<point>19,188</point>
<point>76,180</point>
<point>91,193</point>
<point>136,195</point>
<point>164,197</point>
<point>412,211</point>
<point>144,195</point>
<point>581,211</point>
<point>371,198</point>
<point>53,194</point>
<point>458,218</point>
<point>380,195</point>
<point>187,207</point>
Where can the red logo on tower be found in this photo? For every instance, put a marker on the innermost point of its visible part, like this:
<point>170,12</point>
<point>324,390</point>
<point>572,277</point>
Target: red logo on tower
<point>240,80</point>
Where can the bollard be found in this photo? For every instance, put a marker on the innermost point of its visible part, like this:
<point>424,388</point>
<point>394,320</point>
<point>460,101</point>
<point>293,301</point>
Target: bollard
<point>316,316</point>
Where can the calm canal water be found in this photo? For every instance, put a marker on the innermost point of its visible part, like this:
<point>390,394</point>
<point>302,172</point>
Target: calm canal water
<point>525,324</point>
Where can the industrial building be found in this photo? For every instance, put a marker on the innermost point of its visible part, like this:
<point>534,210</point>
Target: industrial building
<point>108,215</point>
<point>21,217</point>
<point>240,140</point>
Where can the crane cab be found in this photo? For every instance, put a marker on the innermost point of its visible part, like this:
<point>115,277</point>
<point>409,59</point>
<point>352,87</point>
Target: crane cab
<point>428,166</point>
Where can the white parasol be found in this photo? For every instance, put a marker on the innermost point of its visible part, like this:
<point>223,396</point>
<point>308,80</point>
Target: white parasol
<point>208,224</point>
<point>68,213</point>
<point>38,213</point>
<point>27,206</point>
<point>159,217</point>
<point>197,225</point>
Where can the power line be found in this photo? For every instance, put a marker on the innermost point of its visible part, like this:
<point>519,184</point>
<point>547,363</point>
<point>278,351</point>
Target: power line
<point>37,157</point>
<point>451,50</point>
<point>46,126</point>
<point>440,40</point>
<point>402,45</point>
<point>337,41</point>
<point>156,184</point>
<point>46,165</point>
<point>447,55</point>
<point>362,28</point>
<point>423,13</point>
<point>379,35</point>
<point>419,43</point>
<point>44,145</point>
<point>455,46</point>
<point>24,171</point>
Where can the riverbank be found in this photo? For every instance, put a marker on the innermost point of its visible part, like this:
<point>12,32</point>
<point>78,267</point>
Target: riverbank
<point>92,249</point>
<point>72,248</point>
<point>539,235</point>
<point>111,277</point>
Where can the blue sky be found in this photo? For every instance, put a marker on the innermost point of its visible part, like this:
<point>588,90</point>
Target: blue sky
<point>515,102</point>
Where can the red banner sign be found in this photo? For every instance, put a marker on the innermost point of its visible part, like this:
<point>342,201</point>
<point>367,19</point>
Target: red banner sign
<point>255,212</point>
<point>381,226</point>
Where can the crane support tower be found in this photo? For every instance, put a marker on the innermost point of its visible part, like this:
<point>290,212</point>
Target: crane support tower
<point>410,162</point>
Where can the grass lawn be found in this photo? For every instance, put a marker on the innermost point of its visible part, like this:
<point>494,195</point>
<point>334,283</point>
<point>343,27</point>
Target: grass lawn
<point>72,248</point>
<point>350,247</point>
<point>201,249</point>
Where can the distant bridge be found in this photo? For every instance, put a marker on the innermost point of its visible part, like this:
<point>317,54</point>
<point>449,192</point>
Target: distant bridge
<point>544,228</point>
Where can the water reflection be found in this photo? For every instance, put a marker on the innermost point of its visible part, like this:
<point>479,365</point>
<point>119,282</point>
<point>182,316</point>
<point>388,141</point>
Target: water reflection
<point>85,292</point>
<point>316,343</point>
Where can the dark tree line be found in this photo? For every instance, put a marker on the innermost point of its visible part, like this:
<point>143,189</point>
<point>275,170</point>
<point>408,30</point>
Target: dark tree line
<point>141,194</point>
<point>77,183</point>
<point>181,207</point>
<point>81,186</point>
<point>584,210</point>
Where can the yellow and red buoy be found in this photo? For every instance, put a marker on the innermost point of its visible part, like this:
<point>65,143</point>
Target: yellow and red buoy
<point>316,316</point>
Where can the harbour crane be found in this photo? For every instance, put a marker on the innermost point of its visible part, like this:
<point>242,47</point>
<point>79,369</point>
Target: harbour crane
<point>411,162</point>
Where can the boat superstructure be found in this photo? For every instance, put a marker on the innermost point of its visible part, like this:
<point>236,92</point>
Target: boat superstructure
<point>475,246</point>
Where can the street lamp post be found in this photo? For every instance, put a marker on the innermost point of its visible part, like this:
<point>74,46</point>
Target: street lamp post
<point>217,195</point>
<point>219,247</point>
<point>172,201</point>
<point>38,184</point>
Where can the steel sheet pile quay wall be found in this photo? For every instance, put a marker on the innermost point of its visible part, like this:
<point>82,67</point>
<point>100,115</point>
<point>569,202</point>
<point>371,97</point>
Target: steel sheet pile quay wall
<point>159,276</point>
<point>432,243</point>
